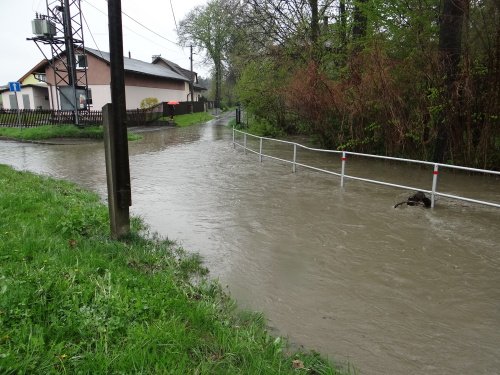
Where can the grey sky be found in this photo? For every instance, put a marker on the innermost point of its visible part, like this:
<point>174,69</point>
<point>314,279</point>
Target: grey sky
<point>19,55</point>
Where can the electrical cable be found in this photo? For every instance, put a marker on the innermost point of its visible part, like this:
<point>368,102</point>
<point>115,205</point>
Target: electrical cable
<point>147,28</point>
<point>128,28</point>
<point>173,15</point>
<point>91,35</point>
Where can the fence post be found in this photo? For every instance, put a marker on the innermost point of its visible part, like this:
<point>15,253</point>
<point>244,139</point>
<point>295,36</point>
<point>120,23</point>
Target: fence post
<point>245,143</point>
<point>260,150</point>
<point>294,167</point>
<point>434,184</point>
<point>344,158</point>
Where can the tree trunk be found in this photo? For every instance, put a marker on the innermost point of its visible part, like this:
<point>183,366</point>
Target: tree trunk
<point>450,48</point>
<point>360,20</point>
<point>217,83</point>
<point>314,21</point>
<point>343,26</point>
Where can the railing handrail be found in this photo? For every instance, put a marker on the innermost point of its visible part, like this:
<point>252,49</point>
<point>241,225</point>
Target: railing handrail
<point>488,171</point>
<point>435,166</point>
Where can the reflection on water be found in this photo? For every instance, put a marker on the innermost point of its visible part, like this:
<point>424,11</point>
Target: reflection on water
<point>405,291</point>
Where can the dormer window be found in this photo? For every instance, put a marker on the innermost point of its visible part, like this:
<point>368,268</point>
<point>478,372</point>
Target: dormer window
<point>40,77</point>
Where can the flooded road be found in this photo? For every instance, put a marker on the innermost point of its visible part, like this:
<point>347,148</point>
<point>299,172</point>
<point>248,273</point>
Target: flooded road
<point>392,291</point>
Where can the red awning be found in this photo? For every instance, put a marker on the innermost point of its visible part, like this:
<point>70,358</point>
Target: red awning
<point>173,102</point>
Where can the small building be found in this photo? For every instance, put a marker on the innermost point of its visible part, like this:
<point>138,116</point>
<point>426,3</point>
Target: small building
<point>34,92</point>
<point>197,88</point>
<point>161,79</point>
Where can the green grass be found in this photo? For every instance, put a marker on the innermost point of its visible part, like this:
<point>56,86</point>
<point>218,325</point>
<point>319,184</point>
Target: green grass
<point>57,131</point>
<point>260,128</point>
<point>190,119</point>
<point>73,301</point>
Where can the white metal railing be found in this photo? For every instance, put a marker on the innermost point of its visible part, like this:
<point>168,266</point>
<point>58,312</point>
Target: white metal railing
<point>433,192</point>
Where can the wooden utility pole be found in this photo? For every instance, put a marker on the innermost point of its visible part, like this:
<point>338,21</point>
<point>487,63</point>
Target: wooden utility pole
<point>115,131</point>
<point>191,81</point>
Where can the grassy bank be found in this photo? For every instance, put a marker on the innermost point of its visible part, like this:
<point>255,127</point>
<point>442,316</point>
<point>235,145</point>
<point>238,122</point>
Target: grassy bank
<point>260,128</point>
<point>190,119</point>
<point>57,131</point>
<point>74,301</point>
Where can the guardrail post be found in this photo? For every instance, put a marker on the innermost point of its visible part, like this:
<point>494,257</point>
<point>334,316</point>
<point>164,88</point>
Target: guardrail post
<point>245,143</point>
<point>434,184</point>
<point>344,158</point>
<point>260,150</point>
<point>234,144</point>
<point>294,167</point>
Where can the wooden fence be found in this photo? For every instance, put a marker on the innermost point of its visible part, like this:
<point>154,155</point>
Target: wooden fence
<point>184,108</point>
<point>38,117</point>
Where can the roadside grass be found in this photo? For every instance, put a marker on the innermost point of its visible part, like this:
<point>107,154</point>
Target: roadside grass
<point>260,128</point>
<point>189,119</point>
<point>57,131</point>
<point>74,301</point>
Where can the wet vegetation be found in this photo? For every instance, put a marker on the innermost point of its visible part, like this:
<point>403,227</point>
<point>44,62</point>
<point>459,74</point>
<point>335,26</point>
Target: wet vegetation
<point>56,131</point>
<point>189,119</point>
<point>416,79</point>
<point>74,301</point>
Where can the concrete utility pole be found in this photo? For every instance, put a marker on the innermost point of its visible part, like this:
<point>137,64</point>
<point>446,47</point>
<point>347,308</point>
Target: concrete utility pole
<point>115,125</point>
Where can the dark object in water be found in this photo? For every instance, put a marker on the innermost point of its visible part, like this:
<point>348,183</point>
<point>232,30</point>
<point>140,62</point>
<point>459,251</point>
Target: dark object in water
<point>417,199</point>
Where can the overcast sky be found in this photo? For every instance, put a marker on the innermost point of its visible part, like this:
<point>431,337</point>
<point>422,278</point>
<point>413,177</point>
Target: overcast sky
<point>20,55</point>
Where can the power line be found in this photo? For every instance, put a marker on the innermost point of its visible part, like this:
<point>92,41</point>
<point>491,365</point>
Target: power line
<point>91,35</point>
<point>173,15</point>
<point>133,31</point>
<point>147,28</point>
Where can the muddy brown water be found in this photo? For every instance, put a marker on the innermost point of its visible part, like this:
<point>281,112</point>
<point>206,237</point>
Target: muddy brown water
<point>340,271</point>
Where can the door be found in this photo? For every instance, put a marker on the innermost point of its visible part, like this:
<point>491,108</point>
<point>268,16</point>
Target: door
<point>26,101</point>
<point>13,101</point>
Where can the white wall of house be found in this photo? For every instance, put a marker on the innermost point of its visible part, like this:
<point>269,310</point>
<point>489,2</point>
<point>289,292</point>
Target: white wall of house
<point>134,95</point>
<point>28,98</point>
<point>101,95</point>
<point>40,98</point>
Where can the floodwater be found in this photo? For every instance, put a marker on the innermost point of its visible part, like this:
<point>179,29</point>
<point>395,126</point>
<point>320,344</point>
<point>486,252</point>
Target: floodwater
<point>340,271</point>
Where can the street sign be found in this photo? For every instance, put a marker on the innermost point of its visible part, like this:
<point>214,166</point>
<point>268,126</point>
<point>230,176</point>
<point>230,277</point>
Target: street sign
<point>14,86</point>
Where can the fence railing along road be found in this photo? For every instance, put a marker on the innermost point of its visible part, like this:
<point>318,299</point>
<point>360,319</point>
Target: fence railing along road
<point>436,167</point>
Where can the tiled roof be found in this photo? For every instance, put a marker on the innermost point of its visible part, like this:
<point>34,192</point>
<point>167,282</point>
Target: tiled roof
<point>138,66</point>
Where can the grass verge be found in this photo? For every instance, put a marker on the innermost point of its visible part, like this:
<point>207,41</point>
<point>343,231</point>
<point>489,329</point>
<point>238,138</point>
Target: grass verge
<point>260,128</point>
<point>57,131</point>
<point>74,301</point>
<point>190,119</point>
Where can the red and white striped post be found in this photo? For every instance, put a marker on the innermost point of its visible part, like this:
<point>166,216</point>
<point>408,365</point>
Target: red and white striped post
<point>344,158</point>
<point>434,183</point>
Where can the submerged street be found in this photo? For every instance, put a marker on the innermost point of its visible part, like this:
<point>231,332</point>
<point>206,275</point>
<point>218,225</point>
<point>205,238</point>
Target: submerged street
<point>340,271</point>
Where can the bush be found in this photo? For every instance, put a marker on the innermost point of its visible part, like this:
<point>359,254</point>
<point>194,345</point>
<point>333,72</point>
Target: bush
<point>148,102</point>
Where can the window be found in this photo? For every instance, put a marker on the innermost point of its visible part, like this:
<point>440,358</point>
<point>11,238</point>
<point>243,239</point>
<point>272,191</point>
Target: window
<point>89,96</point>
<point>81,61</point>
<point>40,77</point>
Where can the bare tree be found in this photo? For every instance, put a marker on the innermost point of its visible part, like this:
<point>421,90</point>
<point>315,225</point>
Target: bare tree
<point>211,28</point>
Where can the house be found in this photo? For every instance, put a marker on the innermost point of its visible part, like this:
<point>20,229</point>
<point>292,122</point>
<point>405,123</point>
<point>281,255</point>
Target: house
<point>197,88</point>
<point>162,80</point>
<point>34,92</point>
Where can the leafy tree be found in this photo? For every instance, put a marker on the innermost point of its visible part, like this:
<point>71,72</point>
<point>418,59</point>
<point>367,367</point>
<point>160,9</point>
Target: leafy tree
<point>211,28</point>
